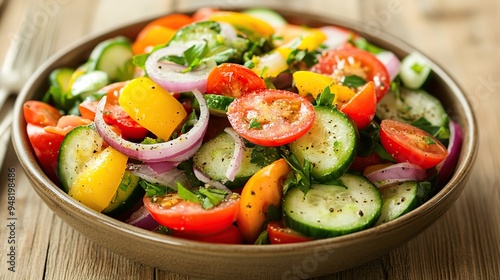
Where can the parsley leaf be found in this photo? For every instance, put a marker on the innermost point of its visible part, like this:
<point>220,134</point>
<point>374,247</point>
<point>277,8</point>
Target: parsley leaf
<point>192,57</point>
<point>442,133</point>
<point>186,194</point>
<point>298,57</point>
<point>212,197</point>
<point>254,124</point>
<point>300,176</point>
<point>325,98</point>
<point>262,239</point>
<point>353,81</point>
<point>363,44</point>
<point>153,189</point>
<point>263,156</point>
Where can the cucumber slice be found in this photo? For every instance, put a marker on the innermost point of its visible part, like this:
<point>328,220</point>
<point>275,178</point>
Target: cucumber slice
<point>414,70</point>
<point>411,105</point>
<point>214,156</point>
<point>77,148</point>
<point>273,18</point>
<point>217,104</point>
<point>325,211</point>
<point>113,56</point>
<point>330,145</point>
<point>127,195</point>
<point>402,198</point>
<point>89,83</point>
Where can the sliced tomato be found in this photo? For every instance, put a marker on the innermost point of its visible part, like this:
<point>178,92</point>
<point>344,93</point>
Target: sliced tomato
<point>40,113</point>
<point>349,60</point>
<point>280,234</point>
<point>407,143</point>
<point>231,235</point>
<point>174,212</point>
<point>362,106</point>
<point>234,80</point>
<point>114,114</point>
<point>46,146</point>
<point>271,117</point>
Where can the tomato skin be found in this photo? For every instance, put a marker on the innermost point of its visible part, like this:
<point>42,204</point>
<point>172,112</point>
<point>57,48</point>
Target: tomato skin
<point>283,116</point>
<point>114,114</point>
<point>407,143</point>
<point>190,217</point>
<point>40,113</point>
<point>362,106</point>
<point>280,234</point>
<point>231,235</point>
<point>375,71</point>
<point>46,146</point>
<point>233,80</point>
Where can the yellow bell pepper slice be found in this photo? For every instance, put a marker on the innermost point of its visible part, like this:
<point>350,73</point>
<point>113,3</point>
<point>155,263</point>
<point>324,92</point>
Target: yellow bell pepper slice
<point>273,63</point>
<point>152,107</point>
<point>98,182</point>
<point>310,40</point>
<point>263,189</point>
<point>244,21</point>
<point>311,83</point>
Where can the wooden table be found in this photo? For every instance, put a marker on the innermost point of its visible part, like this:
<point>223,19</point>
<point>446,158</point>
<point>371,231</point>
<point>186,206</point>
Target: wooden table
<point>463,244</point>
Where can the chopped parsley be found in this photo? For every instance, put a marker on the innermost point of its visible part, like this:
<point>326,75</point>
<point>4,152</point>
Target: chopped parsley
<point>353,81</point>
<point>254,124</point>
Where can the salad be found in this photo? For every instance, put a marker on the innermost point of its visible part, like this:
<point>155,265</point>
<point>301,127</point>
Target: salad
<point>242,128</point>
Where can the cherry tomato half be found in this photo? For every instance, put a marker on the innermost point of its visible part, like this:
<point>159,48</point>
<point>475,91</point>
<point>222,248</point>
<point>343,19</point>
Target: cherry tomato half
<point>362,106</point>
<point>271,117</point>
<point>280,234</point>
<point>40,113</point>
<point>174,212</point>
<point>114,114</point>
<point>407,143</point>
<point>234,80</point>
<point>46,146</point>
<point>349,60</point>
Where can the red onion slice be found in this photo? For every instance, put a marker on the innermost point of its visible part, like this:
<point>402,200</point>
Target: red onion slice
<point>207,180</point>
<point>239,152</point>
<point>141,218</point>
<point>167,178</point>
<point>179,149</point>
<point>396,173</point>
<point>170,76</point>
<point>446,167</point>
<point>335,36</point>
<point>391,63</point>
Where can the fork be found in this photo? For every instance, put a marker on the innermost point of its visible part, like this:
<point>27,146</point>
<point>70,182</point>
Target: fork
<point>32,45</point>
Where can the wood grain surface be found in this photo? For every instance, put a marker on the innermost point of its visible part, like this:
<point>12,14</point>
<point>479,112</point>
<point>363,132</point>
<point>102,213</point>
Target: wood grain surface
<point>463,38</point>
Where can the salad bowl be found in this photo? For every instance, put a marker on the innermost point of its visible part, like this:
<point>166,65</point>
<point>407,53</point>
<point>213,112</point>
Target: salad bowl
<point>287,261</point>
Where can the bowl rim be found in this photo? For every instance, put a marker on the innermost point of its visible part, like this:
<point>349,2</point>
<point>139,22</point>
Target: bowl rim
<point>33,170</point>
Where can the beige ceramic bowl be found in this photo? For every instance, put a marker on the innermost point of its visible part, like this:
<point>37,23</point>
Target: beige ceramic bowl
<point>292,261</point>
